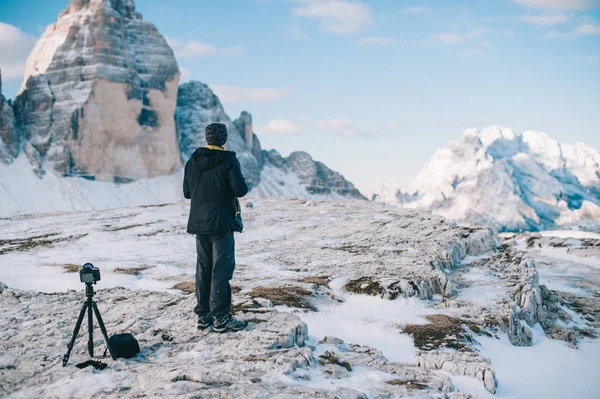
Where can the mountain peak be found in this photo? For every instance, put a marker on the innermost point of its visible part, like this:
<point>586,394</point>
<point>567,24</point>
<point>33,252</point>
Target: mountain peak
<point>512,181</point>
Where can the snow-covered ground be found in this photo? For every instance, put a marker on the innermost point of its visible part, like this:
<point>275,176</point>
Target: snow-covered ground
<point>321,248</point>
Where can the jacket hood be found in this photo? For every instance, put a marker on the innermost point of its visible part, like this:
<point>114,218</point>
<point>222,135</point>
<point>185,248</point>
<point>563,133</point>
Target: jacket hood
<point>206,159</point>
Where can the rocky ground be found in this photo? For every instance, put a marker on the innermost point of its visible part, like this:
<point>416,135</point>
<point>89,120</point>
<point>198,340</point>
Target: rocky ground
<point>345,299</point>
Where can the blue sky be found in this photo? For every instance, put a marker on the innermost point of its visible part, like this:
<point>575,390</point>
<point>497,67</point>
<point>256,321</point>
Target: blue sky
<point>372,88</point>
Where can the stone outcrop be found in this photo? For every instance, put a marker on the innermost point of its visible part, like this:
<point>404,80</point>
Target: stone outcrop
<point>266,171</point>
<point>9,140</point>
<point>459,363</point>
<point>315,176</point>
<point>269,359</point>
<point>99,94</point>
<point>244,127</point>
<point>198,106</point>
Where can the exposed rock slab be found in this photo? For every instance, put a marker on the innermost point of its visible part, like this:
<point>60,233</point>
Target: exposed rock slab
<point>270,359</point>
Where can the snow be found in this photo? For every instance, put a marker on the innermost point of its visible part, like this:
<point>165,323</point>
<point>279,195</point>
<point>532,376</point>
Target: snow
<point>569,233</point>
<point>512,182</point>
<point>285,240</point>
<point>23,192</point>
<point>556,370</point>
<point>370,321</point>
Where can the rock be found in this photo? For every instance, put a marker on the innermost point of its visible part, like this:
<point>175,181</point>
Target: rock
<point>198,106</point>
<point>318,178</point>
<point>36,328</point>
<point>244,127</point>
<point>459,363</point>
<point>99,94</point>
<point>331,340</point>
<point>9,140</point>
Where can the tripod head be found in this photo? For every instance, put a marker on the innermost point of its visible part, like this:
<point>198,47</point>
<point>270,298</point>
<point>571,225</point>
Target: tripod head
<point>89,290</point>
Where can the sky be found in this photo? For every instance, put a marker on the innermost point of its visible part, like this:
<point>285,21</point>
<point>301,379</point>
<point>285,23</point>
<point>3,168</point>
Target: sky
<point>371,88</point>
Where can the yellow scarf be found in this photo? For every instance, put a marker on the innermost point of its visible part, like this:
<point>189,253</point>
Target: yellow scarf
<point>213,147</point>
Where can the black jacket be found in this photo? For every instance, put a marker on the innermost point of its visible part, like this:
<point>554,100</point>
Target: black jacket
<point>212,180</point>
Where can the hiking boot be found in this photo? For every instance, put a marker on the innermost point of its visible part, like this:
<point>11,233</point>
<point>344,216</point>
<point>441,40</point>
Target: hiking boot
<point>205,321</point>
<point>228,323</point>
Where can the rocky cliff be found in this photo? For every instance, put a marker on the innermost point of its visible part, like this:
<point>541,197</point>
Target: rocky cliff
<point>9,141</point>
<point>268,173</point>
<point>198,106</point>
<point>100,100</point>
<point>99,94</point>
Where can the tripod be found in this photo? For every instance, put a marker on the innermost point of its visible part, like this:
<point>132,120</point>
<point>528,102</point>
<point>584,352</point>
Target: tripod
<point>88,305</point>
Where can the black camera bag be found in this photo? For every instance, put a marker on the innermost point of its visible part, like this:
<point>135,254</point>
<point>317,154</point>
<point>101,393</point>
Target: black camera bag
<point>124,345</point>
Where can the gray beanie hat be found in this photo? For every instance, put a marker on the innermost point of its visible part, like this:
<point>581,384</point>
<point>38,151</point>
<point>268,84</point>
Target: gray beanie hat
<point>216,134</point>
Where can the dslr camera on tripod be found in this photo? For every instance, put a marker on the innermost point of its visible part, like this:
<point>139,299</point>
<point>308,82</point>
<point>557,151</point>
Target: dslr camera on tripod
<point>89,274</point>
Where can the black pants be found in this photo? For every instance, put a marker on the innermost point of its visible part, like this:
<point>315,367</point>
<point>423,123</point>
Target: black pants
<point>214,270</point>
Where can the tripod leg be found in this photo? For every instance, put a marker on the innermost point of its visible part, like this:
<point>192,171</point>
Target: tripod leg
<point>75,333</point>
<point>90,330</point>
<point>103,329</point>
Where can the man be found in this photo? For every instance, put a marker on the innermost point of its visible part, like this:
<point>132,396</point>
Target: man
<point>213,180</point>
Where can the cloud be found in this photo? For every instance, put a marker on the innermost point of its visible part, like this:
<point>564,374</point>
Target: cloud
<point>558,4</point>
<point>545,19</point>
<point>15,46</point>
<point>582,30</point>
<point>235,94</point>
<point>281,126</point>
<point>196,49</point>
<point>454,38</point>
<point>588,29</point>
<point>346,128</point>
<point>394,125</point>
<point>449,38</point>
<point>335,16</point>
<point>375,41</point>
<point>340,124</point>
<point>416,10</point>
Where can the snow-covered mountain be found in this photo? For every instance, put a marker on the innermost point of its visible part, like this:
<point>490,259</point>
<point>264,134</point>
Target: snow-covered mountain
<point>510,181</point>
<point>100,106</point>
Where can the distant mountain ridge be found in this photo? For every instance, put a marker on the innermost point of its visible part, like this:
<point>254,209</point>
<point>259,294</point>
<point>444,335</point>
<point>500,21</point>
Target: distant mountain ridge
<point>101,100</point>
<point>510,181</point>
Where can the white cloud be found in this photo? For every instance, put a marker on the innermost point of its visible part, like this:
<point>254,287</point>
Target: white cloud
<point>234,94</point>
<point>454,38</point>
<point>195,49</point>
<point>339,124</point>
<point>558,4</point>
<point>416,10</point>
<point>335,16</point>
<point>545,19</point>
<point>582,30</point>
<point>394,125</point>
<point>588,29</point>
<point>280,126</point>
<point>449,38</point>
<point>375,41</point>
<point>15,46</point>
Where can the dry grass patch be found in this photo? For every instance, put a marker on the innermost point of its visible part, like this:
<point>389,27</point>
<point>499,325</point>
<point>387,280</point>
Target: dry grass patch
<point>364,285</point>
<point>289,295</point>
<point>410,385</point>
<point>30,243</point>
<point>71,267</point>
<point>132,271</point>
<point>318,280</point>
<point>442,331</point>
<point>189,287</point>
<point>330,358</point>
